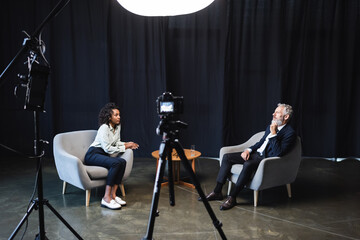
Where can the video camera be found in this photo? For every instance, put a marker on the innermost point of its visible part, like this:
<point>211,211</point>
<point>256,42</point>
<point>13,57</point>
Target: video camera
<point>169,105</point>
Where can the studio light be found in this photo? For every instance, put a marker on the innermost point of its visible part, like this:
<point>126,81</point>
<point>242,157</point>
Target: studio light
<point>152,8</point>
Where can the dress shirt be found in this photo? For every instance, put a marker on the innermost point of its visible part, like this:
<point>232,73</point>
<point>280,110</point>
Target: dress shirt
<point>263,146</point>
<point>108,138</point>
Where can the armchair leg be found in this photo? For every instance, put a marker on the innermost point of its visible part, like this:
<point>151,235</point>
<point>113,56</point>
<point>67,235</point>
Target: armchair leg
<point>288,187</point>
<point>87,197</point>
<point>229,187</point>
<point>256,197</point>
<point>122,189</point>
<point>64,187</point>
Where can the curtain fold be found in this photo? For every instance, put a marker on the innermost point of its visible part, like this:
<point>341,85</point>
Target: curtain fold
<point>233,62</point>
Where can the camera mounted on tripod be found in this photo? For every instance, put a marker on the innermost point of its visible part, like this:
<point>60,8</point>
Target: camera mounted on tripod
<point>168,108</point>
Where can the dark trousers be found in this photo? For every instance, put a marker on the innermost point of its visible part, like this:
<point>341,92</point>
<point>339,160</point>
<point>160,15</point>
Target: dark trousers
<point>116,165</point>
<point>249,167</point>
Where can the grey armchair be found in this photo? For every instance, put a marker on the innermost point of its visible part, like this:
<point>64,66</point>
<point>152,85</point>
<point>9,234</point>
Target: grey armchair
<point>69,152</point>
<point>272,171</point>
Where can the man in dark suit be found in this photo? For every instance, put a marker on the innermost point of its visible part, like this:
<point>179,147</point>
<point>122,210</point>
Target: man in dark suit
<point>278,139</point>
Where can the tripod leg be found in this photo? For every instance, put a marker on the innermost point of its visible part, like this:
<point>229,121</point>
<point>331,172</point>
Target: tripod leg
<point>171,178</point>
<point>38,146</point>
<point>27,214</point>
<point>41,206</point>
<point>184,160</point>
<point>164,147</point>
<point>63,220</point>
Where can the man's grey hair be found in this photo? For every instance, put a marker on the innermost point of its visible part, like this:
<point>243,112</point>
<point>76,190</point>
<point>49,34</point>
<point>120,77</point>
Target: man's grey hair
<point>287,109</point>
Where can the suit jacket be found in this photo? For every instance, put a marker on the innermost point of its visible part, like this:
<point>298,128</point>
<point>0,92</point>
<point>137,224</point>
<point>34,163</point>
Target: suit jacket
<point>278,145</point>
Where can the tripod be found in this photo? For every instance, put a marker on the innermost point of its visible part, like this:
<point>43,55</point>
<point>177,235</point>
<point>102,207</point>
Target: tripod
<point>170,130</point>
<point>36,82</point>
<point>39,202</point>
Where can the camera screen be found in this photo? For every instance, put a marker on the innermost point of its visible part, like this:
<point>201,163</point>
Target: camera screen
<point>166,107</point>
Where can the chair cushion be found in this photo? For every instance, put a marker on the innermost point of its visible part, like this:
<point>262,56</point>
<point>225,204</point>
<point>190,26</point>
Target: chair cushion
<point>96,172</point>
<point>236,169</point>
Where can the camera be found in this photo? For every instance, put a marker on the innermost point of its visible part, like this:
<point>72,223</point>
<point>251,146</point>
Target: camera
<point>168,105</point>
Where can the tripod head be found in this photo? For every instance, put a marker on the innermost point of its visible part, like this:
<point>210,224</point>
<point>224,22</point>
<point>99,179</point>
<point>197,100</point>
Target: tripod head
<point>170,128</point>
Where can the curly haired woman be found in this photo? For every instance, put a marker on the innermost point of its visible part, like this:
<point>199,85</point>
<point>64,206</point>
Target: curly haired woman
<point>104,150</point>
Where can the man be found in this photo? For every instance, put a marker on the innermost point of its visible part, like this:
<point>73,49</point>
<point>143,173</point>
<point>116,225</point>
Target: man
<point>278,139</point>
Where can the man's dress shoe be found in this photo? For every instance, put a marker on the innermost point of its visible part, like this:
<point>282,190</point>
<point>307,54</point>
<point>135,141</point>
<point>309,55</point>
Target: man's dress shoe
<point>213,196</point>
<point>229,203</point>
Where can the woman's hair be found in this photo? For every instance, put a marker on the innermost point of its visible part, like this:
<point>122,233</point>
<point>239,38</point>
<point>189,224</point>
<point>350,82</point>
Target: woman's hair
<point>106,113</point>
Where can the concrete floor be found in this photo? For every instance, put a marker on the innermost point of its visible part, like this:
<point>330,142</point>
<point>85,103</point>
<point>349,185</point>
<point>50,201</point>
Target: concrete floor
<point>325,205</point>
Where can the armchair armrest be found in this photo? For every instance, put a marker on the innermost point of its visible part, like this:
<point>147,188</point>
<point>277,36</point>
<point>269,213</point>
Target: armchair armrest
<point>241,147</point>
<point>128,155</point>
<point>70,168</point>
<point>231,149</point>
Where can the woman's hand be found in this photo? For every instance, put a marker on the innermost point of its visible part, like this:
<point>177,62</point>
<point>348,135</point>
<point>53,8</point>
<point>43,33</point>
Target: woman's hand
<point>131,145</point>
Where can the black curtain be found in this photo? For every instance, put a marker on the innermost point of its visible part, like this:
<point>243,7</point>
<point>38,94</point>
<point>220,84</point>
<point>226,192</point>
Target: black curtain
<point>233,62</point>
<point>305,53</point>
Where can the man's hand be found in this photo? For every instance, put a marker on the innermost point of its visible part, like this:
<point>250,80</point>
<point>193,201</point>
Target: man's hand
<point>273,127</point>
<point>245,155</point>
<point>131,145</point>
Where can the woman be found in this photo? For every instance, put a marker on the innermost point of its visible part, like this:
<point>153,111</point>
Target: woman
<point>104,150</point>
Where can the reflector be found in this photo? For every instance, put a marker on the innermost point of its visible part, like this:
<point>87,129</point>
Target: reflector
<point>152,8</point>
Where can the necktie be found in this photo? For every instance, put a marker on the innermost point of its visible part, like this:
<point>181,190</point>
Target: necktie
<point>263,146</point>
<point>261,150</point>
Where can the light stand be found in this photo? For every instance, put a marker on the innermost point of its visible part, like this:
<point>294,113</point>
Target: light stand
<point>39,202</point>
<point>170,130</point>
<point>36,82</point>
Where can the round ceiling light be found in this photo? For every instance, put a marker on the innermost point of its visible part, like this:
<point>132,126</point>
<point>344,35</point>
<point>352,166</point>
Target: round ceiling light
<point>152,8</point>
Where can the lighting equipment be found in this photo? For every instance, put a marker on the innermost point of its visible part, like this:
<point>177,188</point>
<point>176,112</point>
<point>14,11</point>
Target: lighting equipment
<point>153,8</point>
<point>36,82</point>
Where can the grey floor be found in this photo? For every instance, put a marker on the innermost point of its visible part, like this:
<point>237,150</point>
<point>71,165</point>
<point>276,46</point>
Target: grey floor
<point>325,205</point>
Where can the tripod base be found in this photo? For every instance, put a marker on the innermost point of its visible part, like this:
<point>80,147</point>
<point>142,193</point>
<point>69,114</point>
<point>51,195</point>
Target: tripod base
<point>39,202</point>
<point>41,236</point>
<point>38,237</point>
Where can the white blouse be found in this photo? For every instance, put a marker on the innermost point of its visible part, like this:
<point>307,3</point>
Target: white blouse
<point>108,139</point>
